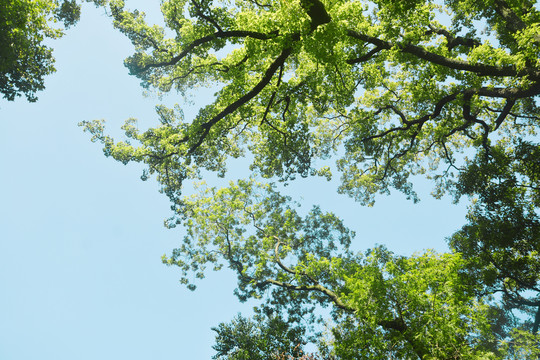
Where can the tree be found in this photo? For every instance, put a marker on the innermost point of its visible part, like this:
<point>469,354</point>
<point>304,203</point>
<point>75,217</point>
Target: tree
<point>385,305</point>
<point>392,90</point>
<point>257,339</point>
<point>24,58</point>
<point>501,238</point>
<point>388,83</point>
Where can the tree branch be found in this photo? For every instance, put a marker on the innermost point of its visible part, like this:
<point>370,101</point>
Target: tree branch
<point>333,296</point>
<point>316,11</point>
<point>209,38</point>
<point>365,57</point>
<point>205,17</point>
<point>504,113</point>
<point>269,73</point>
<point>508,93</point>
<point>277,259</point>
<point>513,22</point>
<point>451,40</point>
<point>456,64</point>
<point>409,123</point>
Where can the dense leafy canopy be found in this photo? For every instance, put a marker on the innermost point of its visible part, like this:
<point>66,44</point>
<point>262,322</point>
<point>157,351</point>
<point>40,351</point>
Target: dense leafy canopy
<point>390,84</point>
<point>24,58</point>
<point>425,305</point>
<point>257,339</point>
<point>502,237</point>
<point>391,89</point>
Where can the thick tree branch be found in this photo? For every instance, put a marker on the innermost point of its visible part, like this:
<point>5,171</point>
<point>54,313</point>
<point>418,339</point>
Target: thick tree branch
<point>316,11</point>
<point>269,73</point>
<point>513,22</point>
<point>365,57</point>
<point>456,64</point>
<point>332,295</point>
<point>504,113</point>
<point>507,93</point>
<point>451,40</point>
<point>205,39</point>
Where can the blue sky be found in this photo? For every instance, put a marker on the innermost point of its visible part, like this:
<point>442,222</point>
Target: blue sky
<point>81,236</point>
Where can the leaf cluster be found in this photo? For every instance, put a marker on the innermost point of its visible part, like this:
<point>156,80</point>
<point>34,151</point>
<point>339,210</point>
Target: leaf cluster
<point>390,90</point>
<point>25,60</point>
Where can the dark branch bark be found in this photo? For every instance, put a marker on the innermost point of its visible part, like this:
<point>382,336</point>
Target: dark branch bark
<point>508,93</point>
<point>453,41</point>
<point>269,73</point>
<point>205,39</point>
<point>470,118</point>
<point>365,57</point>
<point>456,64</point>
<point>513,22</point>
<point>266,6</point>
<point>504,113</point>
<point>271,101</point>
<point>203,16</point>
<point>316,11</point>
<point>409,123</point>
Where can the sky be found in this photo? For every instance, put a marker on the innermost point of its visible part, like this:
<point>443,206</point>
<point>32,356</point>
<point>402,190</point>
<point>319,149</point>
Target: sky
<point>81,236</point>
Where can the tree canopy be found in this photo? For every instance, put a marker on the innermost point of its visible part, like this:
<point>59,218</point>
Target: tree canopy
<point>25,60</point>
<point>390,90</point>
<point>257,339</point>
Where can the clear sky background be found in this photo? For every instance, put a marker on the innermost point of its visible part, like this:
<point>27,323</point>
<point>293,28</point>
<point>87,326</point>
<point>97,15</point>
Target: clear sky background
<point>81,235</point>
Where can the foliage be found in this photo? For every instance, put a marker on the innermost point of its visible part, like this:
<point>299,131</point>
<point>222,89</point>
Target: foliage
<point>24,58</point>
<point>523,345</point>
<point>257,339</point>
<point>501,238</point>
<point>391,89</point>
<point>419,306</point>
<point>422,306</point>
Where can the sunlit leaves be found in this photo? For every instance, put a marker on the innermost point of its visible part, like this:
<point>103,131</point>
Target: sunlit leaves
<point>391,90</point>
<point>247,226</point>
<point>406,91</point>
<point>24,59</point>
